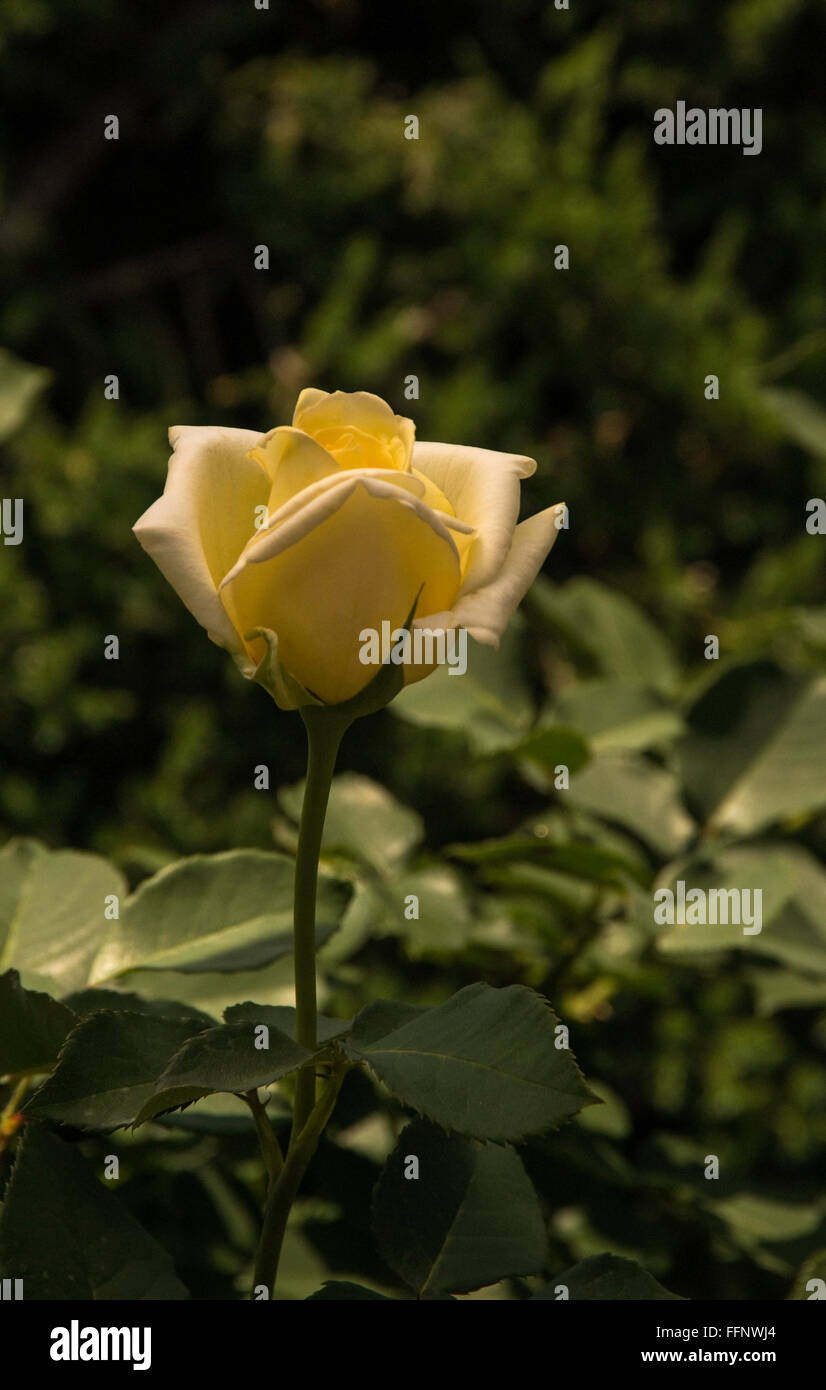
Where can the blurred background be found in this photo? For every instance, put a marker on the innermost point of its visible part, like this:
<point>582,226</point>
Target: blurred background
<point>435,258</point>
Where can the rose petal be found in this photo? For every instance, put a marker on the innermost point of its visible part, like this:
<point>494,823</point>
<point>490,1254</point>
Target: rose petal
<point>196,530</point>
<point>482,487</point>
<point>293,461</point>
<point>306,511</point>
<point>359,559</point>
<point>330,416</point>
<point>486,612</point>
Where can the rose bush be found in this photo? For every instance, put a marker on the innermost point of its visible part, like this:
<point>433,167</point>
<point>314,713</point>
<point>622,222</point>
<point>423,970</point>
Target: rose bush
<point>285,546</point>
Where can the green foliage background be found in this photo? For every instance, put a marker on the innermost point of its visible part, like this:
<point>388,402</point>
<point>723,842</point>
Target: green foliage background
<point>390,257</point>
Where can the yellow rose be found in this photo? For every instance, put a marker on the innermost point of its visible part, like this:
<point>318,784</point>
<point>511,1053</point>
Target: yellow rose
<point>287,546</point>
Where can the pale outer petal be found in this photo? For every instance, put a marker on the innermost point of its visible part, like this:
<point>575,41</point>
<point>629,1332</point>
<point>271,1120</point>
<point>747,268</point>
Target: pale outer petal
<point>302,514</point>
<point>482,486</point>
<point>209,478</point>
<point>485,613</point>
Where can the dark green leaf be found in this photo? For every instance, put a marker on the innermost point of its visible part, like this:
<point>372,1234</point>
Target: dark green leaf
<point>33,1027</point>
<point>552,747</point>
<point>343,1289</point>
<point>571,894</point>
<point>384,1016</point>
<point>483,1064</point>
<point>67,1237</point>
<point>468,1219</point>
<point>606,1278</point>
<point>282,1018</point>
<point>222,1059</point>
<point>577,857</point>
<point>92,1001</point>
<point>85,1002</point>
<point>109,1067</point>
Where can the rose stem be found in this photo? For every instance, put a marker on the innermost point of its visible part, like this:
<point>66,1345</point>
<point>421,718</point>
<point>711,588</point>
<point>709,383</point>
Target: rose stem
<point>324,733</point>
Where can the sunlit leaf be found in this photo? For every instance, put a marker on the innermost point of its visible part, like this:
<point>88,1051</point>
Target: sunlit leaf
<point>52,906</point>
<point>802,417</point>
<point>792,910</point>
<point>776,990</point>
<point>616,715</point>
<point>490,703</point>
<point>610,630</point>
<point>363,820</point>
<point>756,750</point>
<point>20,386</point>
<point>638,795</point>
<point>229,911</point>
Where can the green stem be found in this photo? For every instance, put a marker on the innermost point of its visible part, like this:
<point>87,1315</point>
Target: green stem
<point>325,728</point>
<point>283,1191</point>
<point>267,1138</point>
<point>324,734</point>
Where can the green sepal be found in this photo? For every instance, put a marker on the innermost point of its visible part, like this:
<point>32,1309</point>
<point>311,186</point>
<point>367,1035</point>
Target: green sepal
<point>287,692</point>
